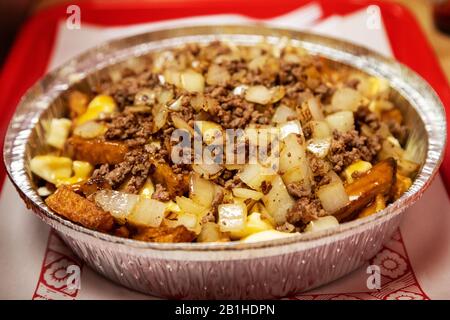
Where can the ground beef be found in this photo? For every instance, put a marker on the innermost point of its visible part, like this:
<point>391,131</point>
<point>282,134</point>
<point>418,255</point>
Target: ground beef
<point>131,173</point>
<point>134,128</point>
<point>349,147</point>
<point>297,189</point>
<point>399,131</point>
<point>161,193</point>
<point>125,90</point>
<point>286,227</point>
<point>364,116</point>
<point>266,187</point>
<point>306,209</point>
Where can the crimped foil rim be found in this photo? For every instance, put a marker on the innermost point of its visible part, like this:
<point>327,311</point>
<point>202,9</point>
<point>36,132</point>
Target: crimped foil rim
<point>410,85</point>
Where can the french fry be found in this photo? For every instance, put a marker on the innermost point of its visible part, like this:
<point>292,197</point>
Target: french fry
<point>378,180</point>
<point>74,207</point>
<point>377,205</point>
<point>393,114</point>
<point>175,184</point>
<point>78,102</point>
<point>402,184</point>
<point>165,234</point>
<point>96,151</point>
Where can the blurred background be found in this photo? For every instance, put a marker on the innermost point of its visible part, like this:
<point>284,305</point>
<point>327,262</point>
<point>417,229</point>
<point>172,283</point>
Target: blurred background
<point>433,16</point>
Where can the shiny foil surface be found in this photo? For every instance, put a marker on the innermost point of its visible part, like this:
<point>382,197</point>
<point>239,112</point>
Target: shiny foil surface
<point>269,269</point>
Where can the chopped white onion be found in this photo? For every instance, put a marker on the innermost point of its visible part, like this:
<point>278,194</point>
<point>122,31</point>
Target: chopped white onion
<point>346,99</point>
<point>217,75</point>
<point>255,174</point>
<point>192,81</point>
<point>245,193</point>
<point>189,206</point>
<point>320,129</point>
<point>232,217</point>
<point>58,132</point>
<point>179,123</point>
<point>258,94</point>
<point>278,201</point>
<point>160,115</point>
<point>289,127</point>
<point>341,121</point>
<point>319,147</point>
<point>177,104</point>
<point>147,213</point>
<point>322,223</point>
<point>119,204</point>
<point>201,190</point>
<point>283,113</point>
<point>315,109</point>
<point>333,196</point>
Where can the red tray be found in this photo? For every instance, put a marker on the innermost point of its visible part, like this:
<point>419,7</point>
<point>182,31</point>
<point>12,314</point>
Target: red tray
<point>30,54</point>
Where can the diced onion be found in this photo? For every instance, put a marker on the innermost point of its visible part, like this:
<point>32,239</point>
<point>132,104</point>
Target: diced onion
<point>119,204</point>
<point>90,130</point>
<point>278,201</point>
<point>160,115</point>
<point>58,132</point>
<point>176,105</point>
<point>322,223</point>
<point>283,113</point>
<point>319,147</point>
<point>147,213</point>
<point>210,233</point>
<point>341,121</point>
<point>333,196</point>
<point>210,131</point>
<point>232,217</point>
<point>346,99</point>
<point>201,190</point>
<point>258,94</point>
<point>189,206</point>
<point>192,81</point>
<point>289,127</point>
<point>44,192</point>
<point>217,75</point>
<point>320,129</point>
<point>247,193</point>
<point>179,123</point>
<point>255,174</point>
<point>207,171</point>
<point>190,221</point>
<point>315,109</point>
<point>172,77</point>
<point>240,90</point>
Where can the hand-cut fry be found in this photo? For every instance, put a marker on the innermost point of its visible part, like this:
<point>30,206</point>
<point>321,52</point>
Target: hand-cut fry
<point>74,207</point>
<point>175,184</point>
<point>78,102</point>
<point>165,234</point>
<point>377,205</point>
<point>96,151</point>
<point>402,184</point>
<point>378,180</point>
<point>392,115</point>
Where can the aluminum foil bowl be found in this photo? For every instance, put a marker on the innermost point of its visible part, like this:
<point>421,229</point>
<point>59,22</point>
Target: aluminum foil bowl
<point>267,269</point>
